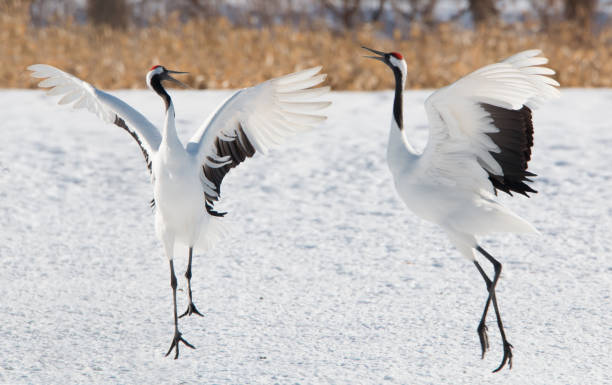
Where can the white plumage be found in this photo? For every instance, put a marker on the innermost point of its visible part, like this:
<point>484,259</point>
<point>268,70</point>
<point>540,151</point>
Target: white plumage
<point>480,140</point>
<point>187,179</point>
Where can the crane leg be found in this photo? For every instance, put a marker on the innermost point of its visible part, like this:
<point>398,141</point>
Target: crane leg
<point>177,334</point>
<point>482,327</point>
<point>191,309</point>
<point>507,358</point>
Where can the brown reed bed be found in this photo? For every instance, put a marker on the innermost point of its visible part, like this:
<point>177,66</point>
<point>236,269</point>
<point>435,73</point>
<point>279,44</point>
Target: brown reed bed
<point>220,55</point>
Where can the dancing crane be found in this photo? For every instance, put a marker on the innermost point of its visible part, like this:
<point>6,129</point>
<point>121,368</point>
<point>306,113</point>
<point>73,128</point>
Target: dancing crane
<point>480,140</point>
<point>187,179</point>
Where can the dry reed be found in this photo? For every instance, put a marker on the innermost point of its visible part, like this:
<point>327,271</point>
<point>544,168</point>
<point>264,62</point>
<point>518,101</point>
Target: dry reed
<point>219,55</point>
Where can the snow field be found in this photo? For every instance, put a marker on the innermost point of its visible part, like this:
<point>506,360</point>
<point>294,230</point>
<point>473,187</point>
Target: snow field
<point>327,277</point>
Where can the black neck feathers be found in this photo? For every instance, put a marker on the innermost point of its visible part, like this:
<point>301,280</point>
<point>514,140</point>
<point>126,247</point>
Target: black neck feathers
<point>160,90</point>
<point>398,101</point>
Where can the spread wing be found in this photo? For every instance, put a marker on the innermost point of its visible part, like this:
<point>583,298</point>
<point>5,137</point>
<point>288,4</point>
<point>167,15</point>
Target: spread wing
<point>254,119</point>
<point>481,131</point>
<point>107,107</point>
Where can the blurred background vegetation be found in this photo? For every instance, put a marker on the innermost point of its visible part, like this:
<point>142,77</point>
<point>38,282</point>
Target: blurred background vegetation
<point>236,43</point>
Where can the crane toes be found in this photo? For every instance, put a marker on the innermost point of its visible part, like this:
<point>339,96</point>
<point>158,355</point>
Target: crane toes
<point>484,338</point>
<point>191,309</point>
<point>175,344</point>
<point>507,357</point>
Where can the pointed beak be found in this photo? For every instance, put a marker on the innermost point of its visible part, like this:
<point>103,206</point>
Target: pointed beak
<point>173,80</point>
<point>381,56</point>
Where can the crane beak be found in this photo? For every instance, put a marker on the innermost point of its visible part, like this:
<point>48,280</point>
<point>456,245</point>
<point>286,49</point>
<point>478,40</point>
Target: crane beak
<point>173,80</point>
<point>379,58</point>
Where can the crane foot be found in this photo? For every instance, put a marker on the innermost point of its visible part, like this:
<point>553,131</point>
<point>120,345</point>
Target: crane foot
<point>484,338</point>
<point>175,343</point>
<point>191,309</point>
<point>507,357</point>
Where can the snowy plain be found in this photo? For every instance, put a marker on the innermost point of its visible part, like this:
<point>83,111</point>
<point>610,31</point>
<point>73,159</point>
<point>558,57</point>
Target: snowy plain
<point>327,278</point>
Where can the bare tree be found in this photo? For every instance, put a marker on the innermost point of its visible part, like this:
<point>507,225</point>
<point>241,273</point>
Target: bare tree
<point>581,11</point>
<point>483,11</point>
<point>114,13</point>
<point>43,12</point>
<point>546,10</point>
<point>379,10</point>
<point>265,12</point>
<point>200,8</point>
<point>346,11</point>
<point>412,10</point>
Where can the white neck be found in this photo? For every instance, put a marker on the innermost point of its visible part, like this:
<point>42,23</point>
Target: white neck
<point>399,150</point>
<point>169,135</point>
<point>400,153</point>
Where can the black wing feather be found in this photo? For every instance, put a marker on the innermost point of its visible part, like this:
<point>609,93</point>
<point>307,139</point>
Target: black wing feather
<point>121,123</point>
<point>514,139</point>
<point>238,149</point>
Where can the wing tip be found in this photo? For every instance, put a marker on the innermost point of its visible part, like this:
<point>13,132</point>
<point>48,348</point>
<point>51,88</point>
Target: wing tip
<point>312,70</point>
<point>533,52</point>
<point>39,70</point>
<point>37,66</point>
<point>528,53</point>
<point>315,69</point>
<point>308,75</point>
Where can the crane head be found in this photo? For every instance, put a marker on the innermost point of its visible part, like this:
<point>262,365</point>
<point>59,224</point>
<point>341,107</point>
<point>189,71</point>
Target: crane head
<point>395,60</point>
<point>161,73</point>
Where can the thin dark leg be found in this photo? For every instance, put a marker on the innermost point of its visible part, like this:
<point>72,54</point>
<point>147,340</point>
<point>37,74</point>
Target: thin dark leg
<point>191,309</point>
<point>507,358</point>
<point>482,327</point>
<point>177,335</point>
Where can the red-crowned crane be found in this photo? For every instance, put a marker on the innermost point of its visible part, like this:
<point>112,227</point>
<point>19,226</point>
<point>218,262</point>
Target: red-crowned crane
<point>480,140</point>
<point>187,179</point>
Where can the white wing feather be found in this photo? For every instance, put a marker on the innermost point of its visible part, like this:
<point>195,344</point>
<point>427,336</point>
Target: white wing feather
<point>268,113</point>
<point>458,124</point>
<point>104,105</point>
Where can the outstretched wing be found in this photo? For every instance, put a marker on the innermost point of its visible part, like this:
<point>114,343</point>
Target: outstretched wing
<point>254,119</point>
<point>107,107</point>
<point>481,131</point>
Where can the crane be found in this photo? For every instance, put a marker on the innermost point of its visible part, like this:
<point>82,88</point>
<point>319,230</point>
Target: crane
<point>187,178</point>
<point>480,140</point>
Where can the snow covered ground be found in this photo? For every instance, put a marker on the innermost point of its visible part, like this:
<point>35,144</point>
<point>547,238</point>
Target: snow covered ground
<point>327,278</point>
